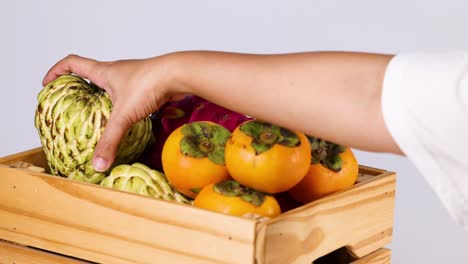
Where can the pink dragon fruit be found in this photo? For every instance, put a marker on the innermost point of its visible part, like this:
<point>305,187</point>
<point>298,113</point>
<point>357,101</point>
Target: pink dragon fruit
<point>208,111</point>
<point>174,114</point>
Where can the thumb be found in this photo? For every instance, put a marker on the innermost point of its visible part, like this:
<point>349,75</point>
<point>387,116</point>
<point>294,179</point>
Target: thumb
<point>108,144</point>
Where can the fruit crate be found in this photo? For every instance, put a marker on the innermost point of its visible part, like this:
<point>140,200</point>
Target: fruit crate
<point>49,219</point>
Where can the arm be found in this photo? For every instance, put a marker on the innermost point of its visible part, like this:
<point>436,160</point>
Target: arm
<point>335,96</point>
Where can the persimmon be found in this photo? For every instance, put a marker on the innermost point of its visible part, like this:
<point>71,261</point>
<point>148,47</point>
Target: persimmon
<point>230,197</point>
<point>266,157</point>
<point>333,168</point>
<point>193,156</point>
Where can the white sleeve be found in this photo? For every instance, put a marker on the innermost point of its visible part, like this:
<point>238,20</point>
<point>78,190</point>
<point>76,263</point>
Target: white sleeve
<point>425,108</point>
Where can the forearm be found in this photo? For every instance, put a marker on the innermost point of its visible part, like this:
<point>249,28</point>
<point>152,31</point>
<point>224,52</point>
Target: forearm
<point>335,96</point>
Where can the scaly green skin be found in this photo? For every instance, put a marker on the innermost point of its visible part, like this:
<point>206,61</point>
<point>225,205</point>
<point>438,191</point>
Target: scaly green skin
<point>70,117</point>
<point>140,179</point>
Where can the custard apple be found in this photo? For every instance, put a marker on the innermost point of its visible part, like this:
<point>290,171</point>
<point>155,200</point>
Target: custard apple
<point>70,118</point>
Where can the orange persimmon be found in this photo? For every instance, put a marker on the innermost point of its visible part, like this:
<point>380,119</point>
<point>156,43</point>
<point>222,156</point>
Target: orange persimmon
<point>266,157</point>
<point>229,197</point>
<point>193,156</point>
<point>333,168</point>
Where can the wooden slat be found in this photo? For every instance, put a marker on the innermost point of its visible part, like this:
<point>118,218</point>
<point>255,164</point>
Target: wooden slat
<point>35,156</point>
<point>371,171</point>
<point>107,226</point>
<point>17,254</point>
<point>381,256</point>
<point>360,218</point>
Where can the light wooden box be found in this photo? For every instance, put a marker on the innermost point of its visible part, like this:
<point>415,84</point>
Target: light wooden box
<point>82,222</point>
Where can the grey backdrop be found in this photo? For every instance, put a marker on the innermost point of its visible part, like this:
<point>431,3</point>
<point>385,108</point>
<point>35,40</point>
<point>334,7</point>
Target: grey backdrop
<point>35,34</point>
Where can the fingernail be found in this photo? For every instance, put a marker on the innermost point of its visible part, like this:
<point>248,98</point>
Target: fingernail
<point>100,164</point>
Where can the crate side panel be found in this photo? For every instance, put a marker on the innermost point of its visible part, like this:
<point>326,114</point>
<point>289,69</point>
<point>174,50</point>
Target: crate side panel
<point>381,256</point>
<point>360,218</point>
<point>80,219</point>
<point>35,156</point>
<point>18,254</point>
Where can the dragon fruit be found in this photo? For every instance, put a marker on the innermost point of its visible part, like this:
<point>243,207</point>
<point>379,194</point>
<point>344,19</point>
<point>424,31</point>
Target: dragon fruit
<point>190,109</point>
<point>208,111</point>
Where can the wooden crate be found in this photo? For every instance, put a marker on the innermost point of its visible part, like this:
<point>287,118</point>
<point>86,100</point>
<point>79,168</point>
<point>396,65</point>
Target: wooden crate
<point>101,225</point>
<point>19,254</point>
<point>343,256</point>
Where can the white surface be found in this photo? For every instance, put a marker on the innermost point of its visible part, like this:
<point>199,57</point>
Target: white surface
<point>35,34</point>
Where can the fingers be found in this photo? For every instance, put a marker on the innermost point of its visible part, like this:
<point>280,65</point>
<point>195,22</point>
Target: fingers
<point>80,66</point>
<point>106,148</point>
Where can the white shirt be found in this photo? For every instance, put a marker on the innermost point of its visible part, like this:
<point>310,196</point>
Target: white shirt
<point>425,108</point>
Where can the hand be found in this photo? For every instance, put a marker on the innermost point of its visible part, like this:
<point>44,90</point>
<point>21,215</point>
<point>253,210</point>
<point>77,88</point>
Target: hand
<point>137,88</point>
<point>340,91</point>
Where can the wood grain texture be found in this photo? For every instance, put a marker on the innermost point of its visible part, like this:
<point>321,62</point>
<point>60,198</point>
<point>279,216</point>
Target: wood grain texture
<point>381,256</point>
<point>103,225</point>
<point>35,156</point>
<point>107,226</point>
<point>360,218</point>
<point>17,254</point>
<point>370,171</point>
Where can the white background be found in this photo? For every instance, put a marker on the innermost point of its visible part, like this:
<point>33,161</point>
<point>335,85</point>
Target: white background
<point>35,34</point>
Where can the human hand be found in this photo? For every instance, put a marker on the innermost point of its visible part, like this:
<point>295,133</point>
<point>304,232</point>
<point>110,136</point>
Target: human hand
<point>137,88</point>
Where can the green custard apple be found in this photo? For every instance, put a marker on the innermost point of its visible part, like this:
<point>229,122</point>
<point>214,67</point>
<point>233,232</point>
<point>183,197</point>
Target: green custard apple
<point>70,117</point>
<point>140,179</point>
